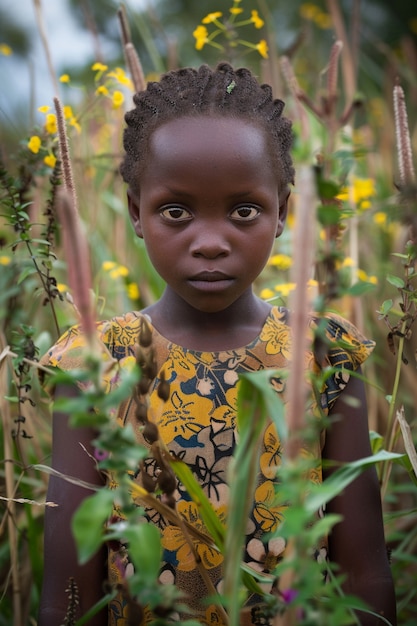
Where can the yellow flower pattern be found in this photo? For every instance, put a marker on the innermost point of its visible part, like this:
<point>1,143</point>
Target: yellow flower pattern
<point>198,424</point>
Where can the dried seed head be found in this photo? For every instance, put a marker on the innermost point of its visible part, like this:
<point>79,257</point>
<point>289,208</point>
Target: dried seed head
<point>145,334</point>
<point>169,500</point>
<point>150,432</point>
<point>141,413</point>
<point>148,482</point>
<point>402,133</point>
<point>163,388</point>
<point>144,384</point>
<point>167,481</point>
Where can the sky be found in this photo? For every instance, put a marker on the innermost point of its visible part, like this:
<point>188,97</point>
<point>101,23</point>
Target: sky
<point>66,40</point>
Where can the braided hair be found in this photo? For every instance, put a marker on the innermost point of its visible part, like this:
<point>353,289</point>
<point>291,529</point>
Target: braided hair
<point>190,92</point>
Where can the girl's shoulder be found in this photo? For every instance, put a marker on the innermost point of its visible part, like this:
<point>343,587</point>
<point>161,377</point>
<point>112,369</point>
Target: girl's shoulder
<point>339,342</point>
<point>117,338</point>
<point>336,341</point>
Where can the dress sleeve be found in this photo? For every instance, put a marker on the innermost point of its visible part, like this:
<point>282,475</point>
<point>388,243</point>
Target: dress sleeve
<point>346,350</point>
<point>116,340</point>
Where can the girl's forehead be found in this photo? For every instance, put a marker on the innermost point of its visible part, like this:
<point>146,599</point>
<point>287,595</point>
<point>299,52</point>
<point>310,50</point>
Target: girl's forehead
<point>203,134</point>
<point>194,149</point>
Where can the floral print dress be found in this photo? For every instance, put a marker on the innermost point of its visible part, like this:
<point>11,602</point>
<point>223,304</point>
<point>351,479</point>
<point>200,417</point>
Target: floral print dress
<point>197,424</point>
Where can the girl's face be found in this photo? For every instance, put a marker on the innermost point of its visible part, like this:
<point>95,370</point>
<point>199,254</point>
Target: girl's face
<point>209,208</point>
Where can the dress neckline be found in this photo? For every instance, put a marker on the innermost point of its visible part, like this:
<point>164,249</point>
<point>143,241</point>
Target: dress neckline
<point>274,315</point>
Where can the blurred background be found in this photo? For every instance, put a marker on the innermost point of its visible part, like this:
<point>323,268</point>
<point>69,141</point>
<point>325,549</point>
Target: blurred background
<point>83,31</point>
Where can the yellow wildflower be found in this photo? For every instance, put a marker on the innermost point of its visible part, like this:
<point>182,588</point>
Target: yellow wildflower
<point>67,109</point>
<point>121,77</point>
<point>257,21</point>
<point>211,17</point>
<point>5,260</point>
<point>201,36</point>
<point>108,265</point>
<point>363,276</point>
<point>102,91</point>
<point>118,99</point>
<point>290,221</point>
<point>262,48</point>
<point>362,189</point>
<point>235,10</point>
<point>50,123</point>
<point>44,109</point>
<point>5,49</point>
<point>380,218</point>
<point>323,20</point>
<point>34,144</point>
<point>267,294</point>
<point>74,122</point>
<point>348,262</point>
<point>123,270</point>
<point>50,160</point>
<point>62,287</point>
<point>285,289</point>
<point>119,271</point>
<point>308,10</point>
<point>99,67</point>
<point>280,261</point>
<point>64,78</point>
<point>133,291</point>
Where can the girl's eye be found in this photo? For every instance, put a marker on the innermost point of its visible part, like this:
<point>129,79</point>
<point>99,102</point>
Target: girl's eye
<point>245,213</point>
<point>175,214</point>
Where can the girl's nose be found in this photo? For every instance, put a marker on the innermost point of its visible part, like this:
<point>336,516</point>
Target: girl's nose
<point>210,243</point>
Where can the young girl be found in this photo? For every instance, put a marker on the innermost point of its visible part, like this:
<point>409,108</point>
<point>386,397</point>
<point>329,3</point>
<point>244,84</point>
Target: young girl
<point>208,169</point>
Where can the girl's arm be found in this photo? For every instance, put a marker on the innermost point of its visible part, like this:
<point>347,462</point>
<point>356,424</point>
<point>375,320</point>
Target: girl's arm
<point>357,543</point>
<point>60,557</point>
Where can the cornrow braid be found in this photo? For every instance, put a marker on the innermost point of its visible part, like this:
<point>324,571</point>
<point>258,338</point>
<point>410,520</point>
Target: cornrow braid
<point>190,92</point>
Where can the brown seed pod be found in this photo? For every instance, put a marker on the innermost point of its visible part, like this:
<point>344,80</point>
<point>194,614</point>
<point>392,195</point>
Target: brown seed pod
<point>144,384</point>
<point>163,388</point>
<point>169,500</point>
<point>145,334</point>
<point>167,481</point>
<point>148,482</point>
<point>141,413</point>
<point>150,432</point>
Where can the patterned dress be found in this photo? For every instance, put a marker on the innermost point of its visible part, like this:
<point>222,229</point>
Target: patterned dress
<point>197,423</point>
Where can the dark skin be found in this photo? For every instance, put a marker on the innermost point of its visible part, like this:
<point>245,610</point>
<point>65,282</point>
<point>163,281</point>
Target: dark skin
<point>217,212</point>
<point>70,458</point>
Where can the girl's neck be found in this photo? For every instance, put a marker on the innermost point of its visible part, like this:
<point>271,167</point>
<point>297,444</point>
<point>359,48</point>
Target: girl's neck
<point>228,329</point>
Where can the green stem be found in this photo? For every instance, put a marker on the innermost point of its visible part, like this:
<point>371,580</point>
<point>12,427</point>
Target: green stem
<point>386,467</point>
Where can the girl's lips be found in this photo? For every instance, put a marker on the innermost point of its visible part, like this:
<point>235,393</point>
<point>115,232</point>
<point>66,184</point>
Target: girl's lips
<point>211,281</point>
<point>210,277</point>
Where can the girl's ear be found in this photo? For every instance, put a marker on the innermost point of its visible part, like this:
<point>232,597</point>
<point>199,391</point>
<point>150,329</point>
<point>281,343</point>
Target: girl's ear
<point>283,210</point>
<point>134,213</point>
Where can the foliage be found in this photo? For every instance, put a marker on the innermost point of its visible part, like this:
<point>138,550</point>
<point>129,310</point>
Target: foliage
<point>364,268</point>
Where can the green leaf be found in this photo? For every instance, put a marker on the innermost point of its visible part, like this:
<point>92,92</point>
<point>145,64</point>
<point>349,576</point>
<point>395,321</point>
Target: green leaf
<point>396,281</point>
<point>101,604</point>
<point>327,188</point>
<point>88,522</point>
<point>377,441</point>
<point>386,306</point>
<point>342,477</point>
<point>359,288</point>
<point>212,522</point>
<point>329,214</point>
<point>25,273</point>
<point>145,549</point>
